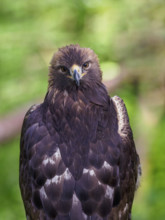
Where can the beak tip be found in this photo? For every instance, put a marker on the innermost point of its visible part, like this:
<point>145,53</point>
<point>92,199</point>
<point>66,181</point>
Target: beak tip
<point>78,83</point>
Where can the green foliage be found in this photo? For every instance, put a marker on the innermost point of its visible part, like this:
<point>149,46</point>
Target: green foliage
<point>156,198</point>
<point>121,32</point>
<point>11,207</point>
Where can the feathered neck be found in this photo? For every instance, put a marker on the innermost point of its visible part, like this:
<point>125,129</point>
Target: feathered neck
<point>94,92</point>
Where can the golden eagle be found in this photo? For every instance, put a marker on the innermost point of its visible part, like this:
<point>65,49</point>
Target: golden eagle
<point>78,159</point>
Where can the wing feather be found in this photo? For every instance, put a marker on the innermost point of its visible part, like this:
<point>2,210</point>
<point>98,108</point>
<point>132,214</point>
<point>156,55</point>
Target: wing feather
<point>129,160</point>
<point>124,128</point>
<point>46,184</point>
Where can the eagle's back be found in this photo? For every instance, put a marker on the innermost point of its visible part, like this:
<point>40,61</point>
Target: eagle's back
<point>78,159</point>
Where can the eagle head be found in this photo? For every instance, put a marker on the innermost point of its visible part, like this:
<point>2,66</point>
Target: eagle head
<point>73,66</point>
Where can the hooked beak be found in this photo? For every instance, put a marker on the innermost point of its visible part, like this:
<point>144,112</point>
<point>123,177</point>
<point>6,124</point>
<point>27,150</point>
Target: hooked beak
<point>76,73</point>
<point>76,77</point>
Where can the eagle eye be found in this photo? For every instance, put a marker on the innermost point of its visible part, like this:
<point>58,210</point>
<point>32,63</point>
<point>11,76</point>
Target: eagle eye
<point>86,65</point>
<point>63,69</point>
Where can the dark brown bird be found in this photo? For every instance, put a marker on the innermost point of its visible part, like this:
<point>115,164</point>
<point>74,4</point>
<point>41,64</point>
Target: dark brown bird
<point>78,159</point>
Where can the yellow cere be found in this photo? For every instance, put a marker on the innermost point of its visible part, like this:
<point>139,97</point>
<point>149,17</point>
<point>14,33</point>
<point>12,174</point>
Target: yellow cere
<point>76,67</point>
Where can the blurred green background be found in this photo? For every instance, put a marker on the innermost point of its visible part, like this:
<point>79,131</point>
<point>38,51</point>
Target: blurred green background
<point>129,37</point>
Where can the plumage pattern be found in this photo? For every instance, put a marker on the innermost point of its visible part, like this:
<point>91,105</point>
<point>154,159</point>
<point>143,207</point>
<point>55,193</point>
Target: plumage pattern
<point>78,160</point>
